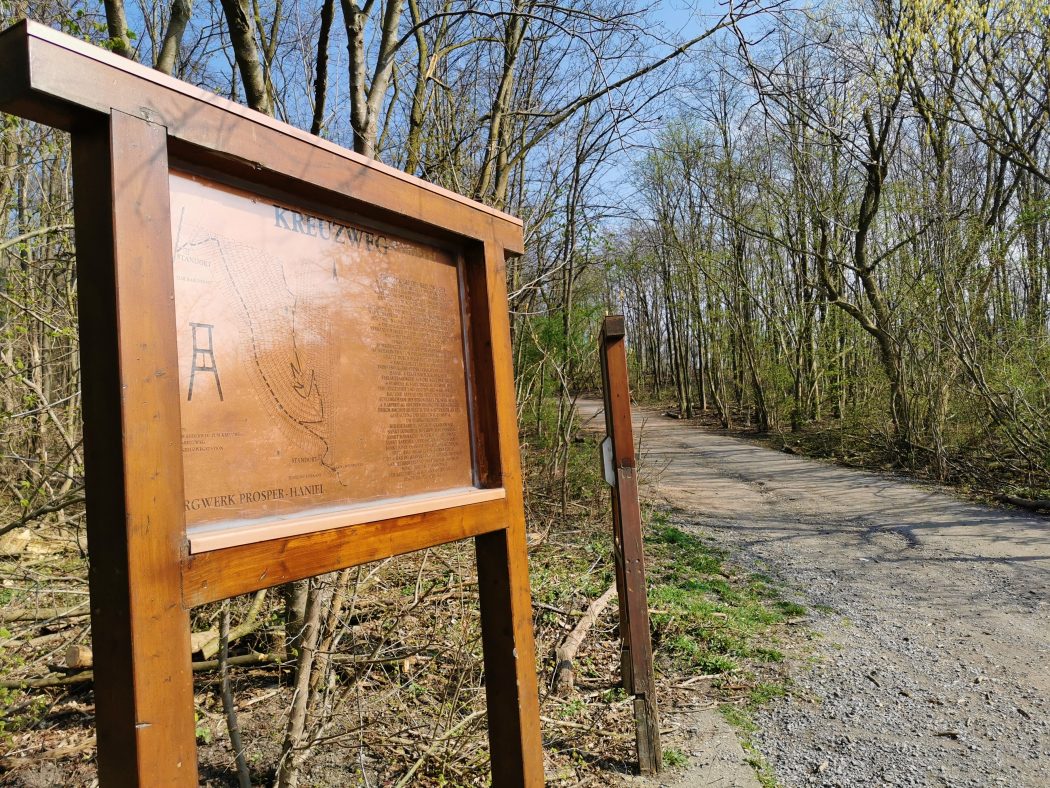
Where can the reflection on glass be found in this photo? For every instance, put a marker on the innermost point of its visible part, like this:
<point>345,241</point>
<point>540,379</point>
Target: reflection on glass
<point>321,363</point>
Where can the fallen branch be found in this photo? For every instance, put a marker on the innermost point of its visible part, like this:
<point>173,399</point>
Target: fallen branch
<point>48,755</point>
<point>43,613</point>
<point>562,681</point>
<point>243,660</point>
<point>566,724</point>
<point>78,657</point>
<point>575,726</point>
<point>1035,504</point>
<point>48,681</point>
<point>207,643</point>
<point>73,497</point>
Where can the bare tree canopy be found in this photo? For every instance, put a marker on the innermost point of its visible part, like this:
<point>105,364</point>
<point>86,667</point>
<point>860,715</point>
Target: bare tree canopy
<point>826,222</point>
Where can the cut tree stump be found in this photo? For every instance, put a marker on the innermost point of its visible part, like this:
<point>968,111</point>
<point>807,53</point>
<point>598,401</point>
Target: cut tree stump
<point>78,656</point>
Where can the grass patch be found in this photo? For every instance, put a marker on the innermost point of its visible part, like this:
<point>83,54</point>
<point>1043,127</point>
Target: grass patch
<point>765,692</point>
<point>708,617</point>
<point>738,717</point>
<point>792,609</point>
<point>741,719</point>
<point>674,757</point>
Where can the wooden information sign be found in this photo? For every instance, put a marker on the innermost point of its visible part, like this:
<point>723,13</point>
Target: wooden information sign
<point>322,367</point>
<point>621,472</point>
<point>295,360</point>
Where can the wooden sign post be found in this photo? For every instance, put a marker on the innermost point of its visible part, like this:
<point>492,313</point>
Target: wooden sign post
<point>295,360</point>
<point>636,650</point>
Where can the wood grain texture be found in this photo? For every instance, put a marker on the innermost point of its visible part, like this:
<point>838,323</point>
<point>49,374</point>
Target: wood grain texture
<point>140,629</point>
<point>204,540</point>
<point>636,649</point>
<point>219,574</point>
<point>483,381</point>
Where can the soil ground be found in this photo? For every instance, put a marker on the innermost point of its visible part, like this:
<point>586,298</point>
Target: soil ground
<point>932,665</point>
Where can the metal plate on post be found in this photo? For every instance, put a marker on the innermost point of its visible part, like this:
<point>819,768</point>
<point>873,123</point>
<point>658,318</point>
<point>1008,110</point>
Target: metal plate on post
<point>608,466</point>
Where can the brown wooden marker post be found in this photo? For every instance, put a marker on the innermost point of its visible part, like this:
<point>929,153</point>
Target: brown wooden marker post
<point>636,655</point>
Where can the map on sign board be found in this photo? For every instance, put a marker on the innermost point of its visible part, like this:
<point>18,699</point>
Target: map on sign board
<point>321,363</point>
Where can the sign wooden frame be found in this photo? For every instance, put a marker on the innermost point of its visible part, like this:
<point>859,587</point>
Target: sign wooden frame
<point>129,126</point>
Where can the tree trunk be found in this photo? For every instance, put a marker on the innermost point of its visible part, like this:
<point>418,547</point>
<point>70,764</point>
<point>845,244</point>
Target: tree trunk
<point>240,20</point>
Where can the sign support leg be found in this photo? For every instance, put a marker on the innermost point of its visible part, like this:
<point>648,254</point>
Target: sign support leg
<point>510,662</point>
<point>515,740</point>
<point>143,678</point>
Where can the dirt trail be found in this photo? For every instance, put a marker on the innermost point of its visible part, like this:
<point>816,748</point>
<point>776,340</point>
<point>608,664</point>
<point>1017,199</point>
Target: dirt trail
<point>934,666</point>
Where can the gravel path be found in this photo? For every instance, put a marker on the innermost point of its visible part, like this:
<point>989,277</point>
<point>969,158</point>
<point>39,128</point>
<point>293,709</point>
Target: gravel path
<point>933,667</point>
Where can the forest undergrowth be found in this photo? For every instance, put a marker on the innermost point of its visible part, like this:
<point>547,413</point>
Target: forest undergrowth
<point>404,699</point>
